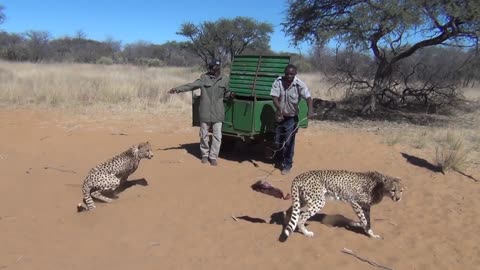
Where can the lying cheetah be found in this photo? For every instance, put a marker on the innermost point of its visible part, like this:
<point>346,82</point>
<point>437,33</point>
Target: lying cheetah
<point>361,190</point>
<point>108,175</point>
<point>311,189</point>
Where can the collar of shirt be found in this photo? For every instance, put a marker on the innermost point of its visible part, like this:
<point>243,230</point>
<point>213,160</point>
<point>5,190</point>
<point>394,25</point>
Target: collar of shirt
<point>294,82</point>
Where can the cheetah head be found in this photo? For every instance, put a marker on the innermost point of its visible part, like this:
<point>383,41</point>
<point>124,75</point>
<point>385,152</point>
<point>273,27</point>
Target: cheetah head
<point>143,150</point>
<point>394,188</point>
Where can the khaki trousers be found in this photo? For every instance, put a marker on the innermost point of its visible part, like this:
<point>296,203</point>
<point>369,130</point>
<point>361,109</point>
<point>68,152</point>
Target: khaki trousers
<point>205,148</point>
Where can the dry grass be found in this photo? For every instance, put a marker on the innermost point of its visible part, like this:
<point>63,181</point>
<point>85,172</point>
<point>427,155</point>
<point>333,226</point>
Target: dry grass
<point>123,88</point>
<point>78,85</point>
<point>393,137</point>
<point>119,88</point>
<point>420,141</point>
<point>452,153</point>
<point>320,87</point>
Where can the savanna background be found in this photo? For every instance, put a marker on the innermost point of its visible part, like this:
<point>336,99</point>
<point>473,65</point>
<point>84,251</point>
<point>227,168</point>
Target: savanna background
<point>68,103</point>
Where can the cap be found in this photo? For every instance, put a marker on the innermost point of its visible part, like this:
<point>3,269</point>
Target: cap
<point>214,62</point>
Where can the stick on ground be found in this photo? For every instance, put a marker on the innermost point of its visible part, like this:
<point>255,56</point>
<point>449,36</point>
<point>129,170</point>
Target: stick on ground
<point>60,170</point>
<point>349,252</point>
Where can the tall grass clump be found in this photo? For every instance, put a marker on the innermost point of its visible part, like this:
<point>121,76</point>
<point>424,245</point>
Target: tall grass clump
<point>452,154</point>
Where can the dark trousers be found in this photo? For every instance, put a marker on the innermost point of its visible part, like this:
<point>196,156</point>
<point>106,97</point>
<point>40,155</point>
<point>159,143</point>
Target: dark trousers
<point>285,141</point>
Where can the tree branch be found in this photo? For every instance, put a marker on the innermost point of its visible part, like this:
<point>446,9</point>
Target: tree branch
<point>445,35</point>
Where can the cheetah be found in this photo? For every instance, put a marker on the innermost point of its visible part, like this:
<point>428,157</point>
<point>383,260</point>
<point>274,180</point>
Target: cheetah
<point>311,189</point>
<point>360,189</point>
<point>109,175</point>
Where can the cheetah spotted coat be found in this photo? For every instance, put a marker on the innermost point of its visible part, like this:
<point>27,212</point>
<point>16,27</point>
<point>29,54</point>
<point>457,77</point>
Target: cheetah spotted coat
<point>108,175</point>
<point>361,189</point>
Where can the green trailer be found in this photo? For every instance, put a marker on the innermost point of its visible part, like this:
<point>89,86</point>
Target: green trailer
<point>251,114</point>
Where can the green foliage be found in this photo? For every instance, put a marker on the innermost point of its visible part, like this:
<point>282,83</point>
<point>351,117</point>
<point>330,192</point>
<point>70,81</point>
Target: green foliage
<point>226,37</point>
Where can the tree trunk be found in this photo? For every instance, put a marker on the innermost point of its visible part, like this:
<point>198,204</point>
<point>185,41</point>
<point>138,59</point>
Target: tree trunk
<point>369,106</point>
<point>384,70</point>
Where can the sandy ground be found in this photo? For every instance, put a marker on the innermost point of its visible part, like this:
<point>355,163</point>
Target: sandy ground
<point>183,218</point>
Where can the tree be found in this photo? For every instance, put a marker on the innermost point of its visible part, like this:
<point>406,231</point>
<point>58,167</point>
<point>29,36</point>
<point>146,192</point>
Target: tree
<point>174,53</point>
<point>226,38</point>
<point>79,50</point>
<point>13,47</point>
<point>37,44</point>
<point>137,50</point>
<point>392,30</point>
<point>80,34</point>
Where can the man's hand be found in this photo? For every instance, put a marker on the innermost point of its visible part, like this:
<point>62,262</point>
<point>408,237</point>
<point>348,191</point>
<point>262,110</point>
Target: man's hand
<point>232,95</point>
<point>311,115</point>
<point>278,115</point>
<point>173,91</point>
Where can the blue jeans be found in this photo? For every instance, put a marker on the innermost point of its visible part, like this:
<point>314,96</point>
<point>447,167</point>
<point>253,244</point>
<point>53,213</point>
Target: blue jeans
<point>285,141</point>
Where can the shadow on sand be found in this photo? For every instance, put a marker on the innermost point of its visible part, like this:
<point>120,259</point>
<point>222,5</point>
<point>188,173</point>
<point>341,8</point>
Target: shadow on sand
<point>277,218</point>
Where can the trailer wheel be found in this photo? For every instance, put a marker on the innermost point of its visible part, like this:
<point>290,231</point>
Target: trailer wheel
<point>228,143</point>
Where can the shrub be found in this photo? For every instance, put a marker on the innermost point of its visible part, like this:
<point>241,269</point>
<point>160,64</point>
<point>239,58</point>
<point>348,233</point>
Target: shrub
<point>105,61</point>
<point>150,62</point>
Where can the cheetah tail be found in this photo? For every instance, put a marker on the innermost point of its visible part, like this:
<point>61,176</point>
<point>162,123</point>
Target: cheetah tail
<point>267,188</point>
<point>294,215</point>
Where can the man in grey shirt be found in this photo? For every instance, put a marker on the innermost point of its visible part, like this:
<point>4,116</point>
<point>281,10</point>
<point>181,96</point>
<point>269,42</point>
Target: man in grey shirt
<point>286,93</point>
<point>214,88</point>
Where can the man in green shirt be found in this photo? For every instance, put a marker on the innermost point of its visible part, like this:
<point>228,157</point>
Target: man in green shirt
<point>214,88</point>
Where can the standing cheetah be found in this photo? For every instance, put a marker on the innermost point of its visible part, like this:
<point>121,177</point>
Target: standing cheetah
<point>311,189</point>
<point>360,189</point>
<point>108,175</point>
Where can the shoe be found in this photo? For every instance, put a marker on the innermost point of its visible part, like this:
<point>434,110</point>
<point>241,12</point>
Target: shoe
<point>277,165</point>
<point>213,162</point>
<point>204,159</point>
<point>285,171</point>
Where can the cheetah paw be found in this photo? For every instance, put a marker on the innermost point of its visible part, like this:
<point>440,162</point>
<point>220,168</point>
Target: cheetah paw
<point>309,234</point>
<point>375,236</point>
<point>355,224</point>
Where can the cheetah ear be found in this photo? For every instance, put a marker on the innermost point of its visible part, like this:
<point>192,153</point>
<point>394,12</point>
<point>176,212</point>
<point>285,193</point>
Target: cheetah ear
<point>134,149</point>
